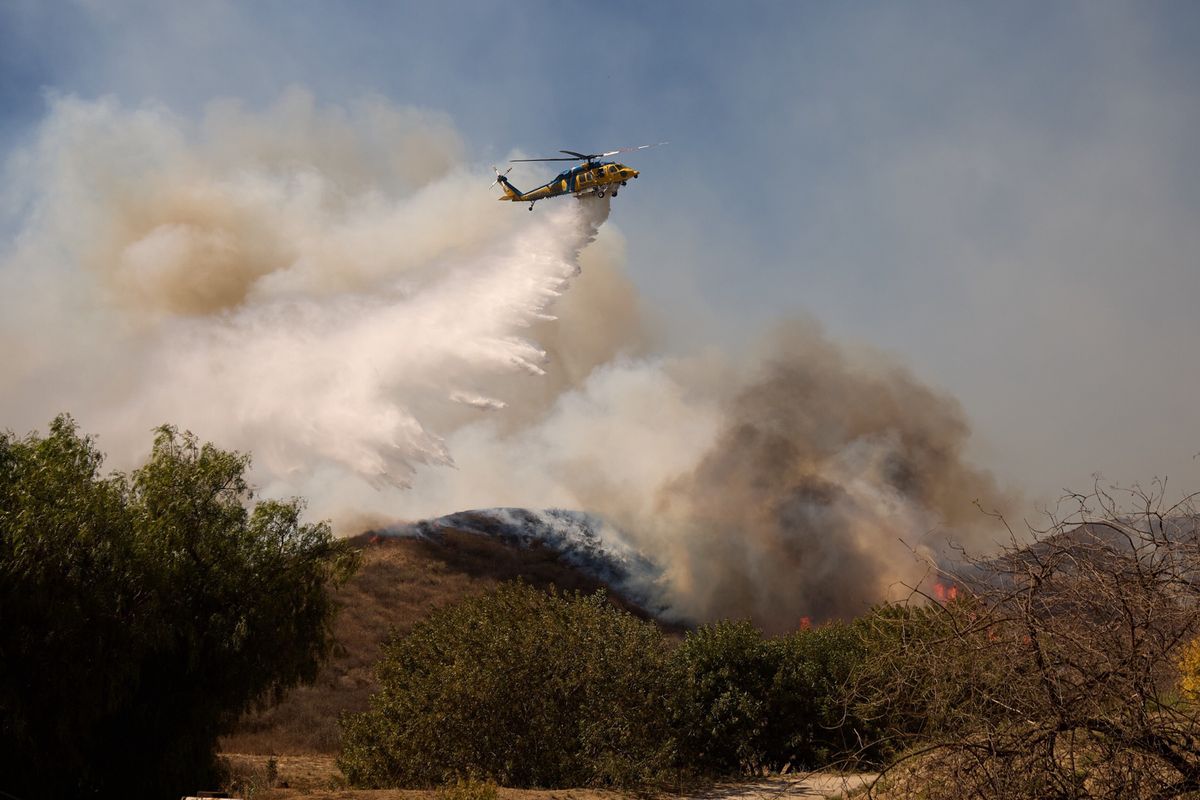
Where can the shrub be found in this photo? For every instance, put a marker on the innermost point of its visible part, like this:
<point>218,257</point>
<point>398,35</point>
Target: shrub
<point>720,710</point>
<point>520,687</point>
<point>743,702</point>
<point>812,719</point>
<point>141,614</point>
<point>913,683</point>
<point>1059,672</point>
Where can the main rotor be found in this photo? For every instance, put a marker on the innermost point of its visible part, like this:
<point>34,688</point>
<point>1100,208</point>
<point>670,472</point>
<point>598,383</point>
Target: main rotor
<point>590,157</point>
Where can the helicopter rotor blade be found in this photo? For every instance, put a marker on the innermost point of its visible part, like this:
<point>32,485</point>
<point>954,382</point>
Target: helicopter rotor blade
<point>574,156</point>
<point>632,149</point>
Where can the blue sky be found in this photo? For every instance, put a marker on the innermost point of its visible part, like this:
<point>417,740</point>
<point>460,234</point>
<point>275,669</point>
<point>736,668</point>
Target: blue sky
<point>1004,196</point>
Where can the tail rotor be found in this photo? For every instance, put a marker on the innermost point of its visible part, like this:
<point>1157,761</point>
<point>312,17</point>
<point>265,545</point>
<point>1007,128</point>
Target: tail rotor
<point>499,175</point>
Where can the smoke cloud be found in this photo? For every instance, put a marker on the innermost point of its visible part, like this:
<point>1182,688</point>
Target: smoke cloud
<point>331,289</point>
<point>315,285</point>
<point>824,484</point>
<point>810,480</point>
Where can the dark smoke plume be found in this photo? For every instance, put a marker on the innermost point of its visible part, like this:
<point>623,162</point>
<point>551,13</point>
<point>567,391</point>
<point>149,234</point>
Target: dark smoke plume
<point>824,475</point>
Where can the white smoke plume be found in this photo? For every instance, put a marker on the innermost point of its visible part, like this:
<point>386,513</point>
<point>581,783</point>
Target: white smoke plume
<point>315,285</point>
<point>332,290</point>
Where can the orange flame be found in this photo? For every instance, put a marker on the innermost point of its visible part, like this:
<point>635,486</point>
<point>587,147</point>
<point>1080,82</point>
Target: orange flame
<point>945,594</point>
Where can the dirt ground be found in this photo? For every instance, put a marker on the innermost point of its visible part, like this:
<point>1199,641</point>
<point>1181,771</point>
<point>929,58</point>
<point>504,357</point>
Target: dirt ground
<point>811,784</point>
<point>316,777</point>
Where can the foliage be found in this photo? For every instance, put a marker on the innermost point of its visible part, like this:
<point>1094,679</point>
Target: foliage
<point>517,686</point>
<point>141,614</point>
<point>813,722</point>
<point>724,677</point>
<point>932,688</point>
<point>744,702</point>
<point>534,689</point>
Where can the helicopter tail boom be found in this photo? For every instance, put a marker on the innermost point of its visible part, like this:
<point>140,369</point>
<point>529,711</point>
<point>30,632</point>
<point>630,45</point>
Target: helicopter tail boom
<point>510,191</point>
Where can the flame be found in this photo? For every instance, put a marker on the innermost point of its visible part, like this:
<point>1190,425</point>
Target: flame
<point>805,623</point>
<point>943,593</point>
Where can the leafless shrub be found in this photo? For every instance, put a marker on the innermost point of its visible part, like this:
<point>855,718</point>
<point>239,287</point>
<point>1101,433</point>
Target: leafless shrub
<point>1055,671</point>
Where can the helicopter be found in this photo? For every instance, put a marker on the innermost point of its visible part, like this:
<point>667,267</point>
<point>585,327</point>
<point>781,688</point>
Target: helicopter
<point>590,177</point>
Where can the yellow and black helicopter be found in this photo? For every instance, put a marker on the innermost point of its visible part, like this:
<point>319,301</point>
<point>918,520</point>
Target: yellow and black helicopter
<point>590,177</point>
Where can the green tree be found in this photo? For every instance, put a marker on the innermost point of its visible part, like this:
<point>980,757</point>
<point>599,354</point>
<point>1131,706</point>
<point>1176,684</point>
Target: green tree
<point>141,614</point>
<point>521,687</point>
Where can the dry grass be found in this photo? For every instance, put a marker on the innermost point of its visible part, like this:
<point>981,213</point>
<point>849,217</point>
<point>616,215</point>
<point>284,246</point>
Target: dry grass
<point>318,778</point>
<point>432,794</point>
<point>302,773</point>
<point>400,582</point>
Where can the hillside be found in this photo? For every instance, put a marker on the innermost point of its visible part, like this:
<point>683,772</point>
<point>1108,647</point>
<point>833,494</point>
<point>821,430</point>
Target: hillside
<point>400,582</point>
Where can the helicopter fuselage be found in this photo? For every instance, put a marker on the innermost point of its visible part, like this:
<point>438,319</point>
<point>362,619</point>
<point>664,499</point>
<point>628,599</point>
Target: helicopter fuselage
<point>594,177</point>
